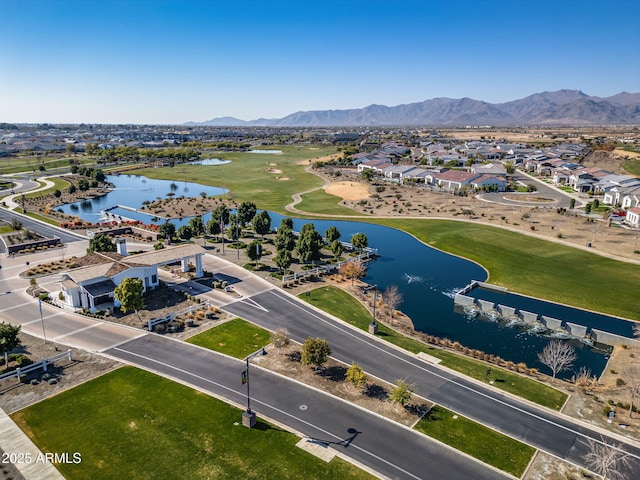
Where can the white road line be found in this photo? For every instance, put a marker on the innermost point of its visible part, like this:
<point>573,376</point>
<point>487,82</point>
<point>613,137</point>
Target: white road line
<point>77,331</point>
<point>477,392</point>
<point>252,303</point>
<point>40,319</point>
<point>17,306</point>
<point>269,406</point>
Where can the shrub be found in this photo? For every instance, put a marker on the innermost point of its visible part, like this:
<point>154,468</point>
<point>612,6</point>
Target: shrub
<point>620,382</point>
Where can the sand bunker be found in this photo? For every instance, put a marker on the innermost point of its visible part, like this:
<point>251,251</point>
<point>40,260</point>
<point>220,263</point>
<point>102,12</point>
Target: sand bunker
<point>348,190</point>
<point>273,170</point>
<point>283,178</point>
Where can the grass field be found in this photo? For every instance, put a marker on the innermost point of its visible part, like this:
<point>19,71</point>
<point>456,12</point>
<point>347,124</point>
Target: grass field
<point>476,440</point>
<point>28,163</point>
<point>247,176</point>
<point>536,267</point>
<point>59,184</point>
<point>342,305</point>
<point>320,201</point>
<point>136,425</point>
<point>632,167</point>
<point>236,338</point>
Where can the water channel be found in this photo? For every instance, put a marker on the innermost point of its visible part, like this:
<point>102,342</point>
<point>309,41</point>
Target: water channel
<point>427,278</point>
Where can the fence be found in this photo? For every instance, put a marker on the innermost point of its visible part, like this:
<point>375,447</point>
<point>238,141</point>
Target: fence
<point>155,321</point>
<point>34,366</point>
<point>317,271</point>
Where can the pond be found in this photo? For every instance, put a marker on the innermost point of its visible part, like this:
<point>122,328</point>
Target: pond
<point>210,161</point>
<point>132,191</point>
<point>428,280</point>
<point>426,277</point>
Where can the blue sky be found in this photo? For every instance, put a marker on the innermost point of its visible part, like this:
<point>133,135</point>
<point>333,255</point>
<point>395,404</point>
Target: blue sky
<point>140,61</point>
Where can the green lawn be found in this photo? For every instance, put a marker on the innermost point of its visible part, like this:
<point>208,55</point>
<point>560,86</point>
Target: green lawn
<point>535,267</point>
<point>632,167</point>
<point>480,442</point>
<point>247,176</point>
<point>236,338</point>
<point>58,184</point>
<point>342,305</point>
<point>320,201</point>
<point>136,425</point>
<point>31,163</point>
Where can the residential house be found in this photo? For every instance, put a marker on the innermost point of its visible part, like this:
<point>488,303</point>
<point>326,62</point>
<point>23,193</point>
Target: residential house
<point>633,217</point>
<point>93,285</point>
<point>453,179</point>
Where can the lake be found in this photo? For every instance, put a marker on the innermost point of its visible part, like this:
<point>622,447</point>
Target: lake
<point>426,277</point>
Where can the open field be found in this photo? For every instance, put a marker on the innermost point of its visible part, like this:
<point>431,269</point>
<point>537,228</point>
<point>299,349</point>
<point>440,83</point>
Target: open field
<point>236,338</point>
<point>29,163</point>
<point>247,176</point>
<point>134,424</point>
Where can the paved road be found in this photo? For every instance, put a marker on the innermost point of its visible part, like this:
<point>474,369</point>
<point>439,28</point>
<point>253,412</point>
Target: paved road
<point>385,446</point>
<point>546,430</point>
<point>43,229</point>
<point>558,197</point>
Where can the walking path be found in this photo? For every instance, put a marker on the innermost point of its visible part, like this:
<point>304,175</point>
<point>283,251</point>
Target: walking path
<point>23,453</point>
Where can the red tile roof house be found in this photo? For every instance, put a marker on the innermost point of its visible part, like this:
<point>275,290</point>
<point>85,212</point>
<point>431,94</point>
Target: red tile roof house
<point>454,179</point>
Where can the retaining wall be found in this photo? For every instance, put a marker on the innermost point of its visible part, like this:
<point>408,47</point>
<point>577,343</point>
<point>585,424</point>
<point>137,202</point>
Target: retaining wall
<point>551,323</point>
<point>575,329</point>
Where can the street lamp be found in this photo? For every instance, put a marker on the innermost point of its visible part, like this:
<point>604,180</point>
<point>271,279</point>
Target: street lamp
<point>249,416</point>
<point>373,326</point>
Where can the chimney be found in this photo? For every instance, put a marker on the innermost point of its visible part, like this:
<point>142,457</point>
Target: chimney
<point>121,246</point>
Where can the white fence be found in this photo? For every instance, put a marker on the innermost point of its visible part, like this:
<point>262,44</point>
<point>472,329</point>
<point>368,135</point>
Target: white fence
<point>324,269</point>
<point>34,366</point>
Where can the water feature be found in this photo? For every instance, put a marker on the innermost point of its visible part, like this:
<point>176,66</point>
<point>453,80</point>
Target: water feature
<point>132,191</point>
<point>210,161</point>
<point>427,278</point>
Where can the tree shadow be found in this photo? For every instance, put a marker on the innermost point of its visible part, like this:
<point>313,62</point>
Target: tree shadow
<point>295,356</point>
<point>353,433</point>
<point>376,391</point>
<point>335,374</point>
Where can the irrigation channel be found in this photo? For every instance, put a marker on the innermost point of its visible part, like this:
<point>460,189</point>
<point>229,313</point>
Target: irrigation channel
<point>427,278</point>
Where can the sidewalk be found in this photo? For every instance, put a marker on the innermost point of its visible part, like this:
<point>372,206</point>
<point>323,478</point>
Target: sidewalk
<point>29,460</point>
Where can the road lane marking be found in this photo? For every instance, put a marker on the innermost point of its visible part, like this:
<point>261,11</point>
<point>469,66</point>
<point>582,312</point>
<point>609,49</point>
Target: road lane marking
<point>442,377</point>
<point>77,331</point>
<point>224,387</point>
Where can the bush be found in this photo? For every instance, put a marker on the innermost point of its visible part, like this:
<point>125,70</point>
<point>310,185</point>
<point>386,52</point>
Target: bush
<point>620,382</point>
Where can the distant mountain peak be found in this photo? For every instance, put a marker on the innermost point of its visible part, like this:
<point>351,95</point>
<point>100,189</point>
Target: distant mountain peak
<point>560,107</point>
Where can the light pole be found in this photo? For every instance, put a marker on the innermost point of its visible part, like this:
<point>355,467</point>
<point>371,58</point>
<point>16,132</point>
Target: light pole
<point>42,320</point>
<point>373,326</point>
<point>249,416</point>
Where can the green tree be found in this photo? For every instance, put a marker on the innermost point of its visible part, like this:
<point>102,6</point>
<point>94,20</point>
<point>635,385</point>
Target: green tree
<point>510,168</point>
<point>261,223</point>
<point>185,232</point>
<point>309,243</point>
<point>587,208</point>
<point>197,226</point>
<point>221,214</point>
<point>367,174</point>
<point>213,227</point>
<point>359,241</point>
<point>254,251</point>
<point>356,376</point>
<point>286,222</point>
<point>129,294</point>
<point>234,229</point>
<point>315,351</point>
<point>8,339</point>
<point>83,184</point>
<point>572,203</point>
<point>72,189</point>
<point>336,248</point>
<point>246,212</point>
<point>332,234</point>
<point>283,260</point>
<point>101,243</point>
<point>402,392</point>
<point>167,230</point>
<point>57,193</point>
<point>285,239</point>
<point>16,224</point>
<point>98,175</point>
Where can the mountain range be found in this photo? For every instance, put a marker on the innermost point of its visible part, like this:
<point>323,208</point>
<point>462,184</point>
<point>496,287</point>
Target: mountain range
<point>562,107</point>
